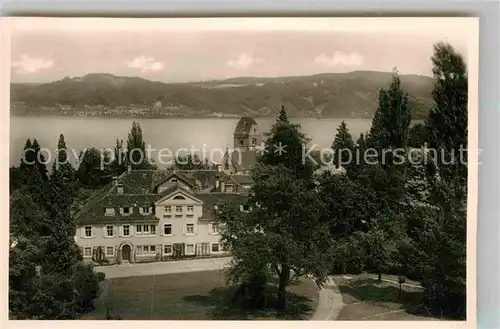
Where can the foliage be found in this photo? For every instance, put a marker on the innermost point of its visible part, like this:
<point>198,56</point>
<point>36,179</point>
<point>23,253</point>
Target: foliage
<point>283,117</point>
<point>136,155</point>
<point>446,124</point>
<point>284,232</point>
<point>343,147</point>
<point>392,118</point>
<point>98,255</point>
<point>101,276</point>
<point>291,140</point>
<point>92,170</point>
<point>342,198</point>
<point>47,279</point>
<point>62,168</point>
<point>417,135</point>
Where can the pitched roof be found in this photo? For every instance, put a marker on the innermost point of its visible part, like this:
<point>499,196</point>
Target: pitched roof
<point>242,179</point>
<point>244,160</point>
<point>212,199</point>
<point>244,125</point>
<point>138,191</point>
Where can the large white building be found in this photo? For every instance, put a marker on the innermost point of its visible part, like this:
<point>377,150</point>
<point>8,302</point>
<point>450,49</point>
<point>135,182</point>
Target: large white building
<point>147,215</point>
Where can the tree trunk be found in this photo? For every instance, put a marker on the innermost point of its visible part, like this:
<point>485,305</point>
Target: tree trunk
<point>399,292</point>
<point>284,279</point>
<point>380,276</point>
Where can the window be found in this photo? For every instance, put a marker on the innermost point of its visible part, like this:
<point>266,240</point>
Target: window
<point>215,247</point>
<point>245,207</point>
<point>109,212</point>
<point>215,228</point>
<point>145,228</point>
<point>179,197</point>
<point>189,228</point>
<point>173,180</point>
<point>88,231</point>
<point>145,210</point>
<point>189,249</point>
<point>146,250</point>
<point>167,229</point>
<point>138,228</point>
<point>87,252</point>
<point>229,188</point>
<point>168,210</point>
<point>109,230</point>
<point>167,249</point>
<point>178,209</point>
<point>126,210</point>
<point>153,229</point>
<point>126,230</point>
<point>190,209</point>
<point>110,251</point>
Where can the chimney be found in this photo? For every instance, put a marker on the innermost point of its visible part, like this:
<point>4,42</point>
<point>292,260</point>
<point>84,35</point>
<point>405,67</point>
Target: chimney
<point>129,168</point>
<point>222,186</point>
<point>115,180</point>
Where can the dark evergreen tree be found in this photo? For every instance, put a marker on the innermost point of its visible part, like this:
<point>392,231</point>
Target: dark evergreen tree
<point>392,118</point>
<point>119,161</point>
<point>284,145</point>
<point>283,117</point>
<point>40,160</point>
<point>417,136</point>
<point>136,148</point>
<point>62,168</point>
<point>343,147</point>
<point>447,121</point>
<point>92,170</point>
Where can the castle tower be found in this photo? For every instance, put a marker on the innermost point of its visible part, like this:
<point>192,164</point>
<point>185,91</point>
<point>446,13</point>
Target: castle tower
<point>246,134</point>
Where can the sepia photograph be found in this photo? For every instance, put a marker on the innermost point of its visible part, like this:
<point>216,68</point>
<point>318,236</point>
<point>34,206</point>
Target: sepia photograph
<point>317,169</point>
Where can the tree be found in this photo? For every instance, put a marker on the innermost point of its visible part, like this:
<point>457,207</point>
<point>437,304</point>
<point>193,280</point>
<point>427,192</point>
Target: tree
<point>92,170</point>
<point>343,147</point>
<point>283,117</point>
<point>285,222</point>
<point>342,198</point>
<point>40,160</point>
<point>119,160</point>
<point>136,148</point>
<point>284,145</point>
<point>62,168</point>
<point>417,135</point>
<point>447,122</point>
<point>392,118</point>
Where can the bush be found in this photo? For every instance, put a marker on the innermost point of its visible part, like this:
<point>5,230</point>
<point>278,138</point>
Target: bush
<point>86,286</point>
<point>101,276</point>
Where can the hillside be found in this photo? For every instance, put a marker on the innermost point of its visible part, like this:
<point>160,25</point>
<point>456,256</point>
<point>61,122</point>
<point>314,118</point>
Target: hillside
<point>327,95</point>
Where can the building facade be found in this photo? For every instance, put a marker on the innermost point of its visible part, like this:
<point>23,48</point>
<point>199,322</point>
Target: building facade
<point>147,215</point>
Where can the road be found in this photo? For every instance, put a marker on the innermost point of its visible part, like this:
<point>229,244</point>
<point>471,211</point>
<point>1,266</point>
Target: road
<point>157,268</point>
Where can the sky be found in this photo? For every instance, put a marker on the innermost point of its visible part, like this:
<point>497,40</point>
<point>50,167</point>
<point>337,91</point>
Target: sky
<point>180,50</point>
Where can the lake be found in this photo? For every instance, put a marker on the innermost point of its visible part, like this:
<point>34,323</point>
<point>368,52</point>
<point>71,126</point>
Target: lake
<point>173,134</point>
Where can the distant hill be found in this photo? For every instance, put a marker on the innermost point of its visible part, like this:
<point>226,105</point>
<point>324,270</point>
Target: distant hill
<point>329,95</point>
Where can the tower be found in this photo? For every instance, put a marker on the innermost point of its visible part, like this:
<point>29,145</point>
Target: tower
<point>246,134</point>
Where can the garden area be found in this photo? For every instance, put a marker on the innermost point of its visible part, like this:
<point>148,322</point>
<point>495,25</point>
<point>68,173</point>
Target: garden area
<point>366,298</point>
<point>194,296</point>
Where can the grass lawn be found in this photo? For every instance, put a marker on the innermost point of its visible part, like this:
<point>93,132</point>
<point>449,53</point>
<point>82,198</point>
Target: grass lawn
<point>367,299</point>
<point>193,296</point>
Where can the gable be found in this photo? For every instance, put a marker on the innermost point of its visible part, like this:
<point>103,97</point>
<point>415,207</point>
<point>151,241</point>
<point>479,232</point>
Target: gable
<point>178,196</point>
<point>175,178</point>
